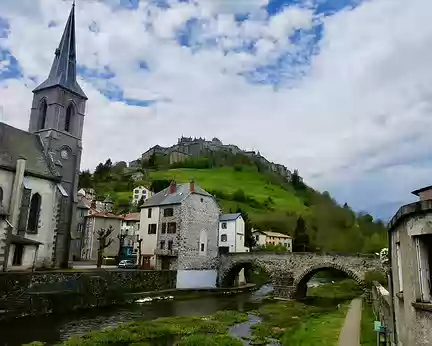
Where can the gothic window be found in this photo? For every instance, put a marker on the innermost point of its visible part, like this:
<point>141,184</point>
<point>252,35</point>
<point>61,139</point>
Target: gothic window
<point>1,196</point>
<point>69,115</point>
<point>33,219</point>
<point>42,114</point>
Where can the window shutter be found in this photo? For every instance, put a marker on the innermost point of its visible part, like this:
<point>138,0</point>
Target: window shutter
<point>24,210</point>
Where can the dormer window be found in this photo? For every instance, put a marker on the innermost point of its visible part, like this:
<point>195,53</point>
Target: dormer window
<point>42,114</point>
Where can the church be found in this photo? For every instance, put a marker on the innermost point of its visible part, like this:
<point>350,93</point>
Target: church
<point>39,168</point>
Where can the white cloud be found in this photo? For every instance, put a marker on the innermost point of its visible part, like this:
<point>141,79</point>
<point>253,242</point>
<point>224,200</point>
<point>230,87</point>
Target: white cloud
<point>362,111</point>
<point>237,6</point>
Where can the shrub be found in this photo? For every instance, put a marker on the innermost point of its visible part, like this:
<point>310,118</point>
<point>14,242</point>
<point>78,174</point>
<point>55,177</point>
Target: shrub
<point>374,275</point>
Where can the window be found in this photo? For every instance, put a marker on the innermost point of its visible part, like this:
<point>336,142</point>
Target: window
<point>1,196</point>
<point>168,212</point>
<point>163,227</point>
<point>170,244</point>
<point>69,115</point>
<point>18,254</point>
<point>224,237</point>
<point>136,191</point>
<point>399,265</point>
<point>80,227</point>
<point>424,260</point>
<point>202,247</point>
<point>224,225</point>
<point>202,199</point>
<point>42,114</point>
<point>149,213</point>
<point>162,244</point>
<point>33,219</point>
<point>136,197</point>
<point>152,228</point>
<point>172,227</point>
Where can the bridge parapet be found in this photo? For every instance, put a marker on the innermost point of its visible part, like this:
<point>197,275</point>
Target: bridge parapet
<point>298,267</point>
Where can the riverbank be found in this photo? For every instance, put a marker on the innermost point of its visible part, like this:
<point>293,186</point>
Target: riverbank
<point>315,321</point>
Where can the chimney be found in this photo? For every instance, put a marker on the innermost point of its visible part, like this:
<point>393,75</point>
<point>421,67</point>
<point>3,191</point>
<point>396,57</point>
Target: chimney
<point>192,186</point>
<point>172,188</point>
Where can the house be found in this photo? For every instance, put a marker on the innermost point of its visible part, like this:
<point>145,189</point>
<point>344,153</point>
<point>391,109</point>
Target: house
<point>232,238</point>
<point>39,168</point>
<point>410,254</point>
<point>179,229</point>
<point>141,192</point>
<point>264,238</point>
<point>129,230</point>
<point>232,233</point>
<point>78,234</point>
<point>94,221</point>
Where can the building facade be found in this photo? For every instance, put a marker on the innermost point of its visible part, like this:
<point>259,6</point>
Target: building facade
<point>264,238</point>
<point>179,228</point>
<point>141,193</point>
<point>93,223</point>
<point>410,252</point>
<point>232,233</point>
<point>39,169</point>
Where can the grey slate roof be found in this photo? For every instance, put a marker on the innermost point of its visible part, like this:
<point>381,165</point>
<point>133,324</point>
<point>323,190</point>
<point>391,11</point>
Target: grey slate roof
<point>164,198</point>
<point>229,217</point>
<point>15,143</point>
<point>63,70</point>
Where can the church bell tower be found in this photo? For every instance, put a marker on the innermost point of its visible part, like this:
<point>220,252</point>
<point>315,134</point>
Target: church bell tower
<point>57,116</point>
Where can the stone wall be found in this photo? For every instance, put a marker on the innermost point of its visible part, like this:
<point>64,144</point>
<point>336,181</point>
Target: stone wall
<point>52,292</point>
<point>381,303</point>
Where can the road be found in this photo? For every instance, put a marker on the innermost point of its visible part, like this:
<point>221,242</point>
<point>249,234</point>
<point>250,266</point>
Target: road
<point>350,333</point>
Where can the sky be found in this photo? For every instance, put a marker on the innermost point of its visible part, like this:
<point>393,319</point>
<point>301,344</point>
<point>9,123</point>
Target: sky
<point>339,89</point>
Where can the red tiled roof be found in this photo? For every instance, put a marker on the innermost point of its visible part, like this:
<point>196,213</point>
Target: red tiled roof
<point>131,217</point>
<point>106,215</point>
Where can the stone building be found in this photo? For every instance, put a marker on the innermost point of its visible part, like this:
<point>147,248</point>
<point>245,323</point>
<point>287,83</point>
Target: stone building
<point>179,228</point>
<point>39,168</point>
<point>410,252</point>
<point>94,222</point>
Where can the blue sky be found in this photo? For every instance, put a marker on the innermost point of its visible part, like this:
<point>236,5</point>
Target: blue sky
<point>339,89</point>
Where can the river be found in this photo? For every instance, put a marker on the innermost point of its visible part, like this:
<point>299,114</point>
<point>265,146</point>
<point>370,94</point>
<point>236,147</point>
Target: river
<point>54,328</point>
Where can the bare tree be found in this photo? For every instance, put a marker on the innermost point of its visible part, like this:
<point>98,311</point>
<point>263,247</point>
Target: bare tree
<point>104,241</point>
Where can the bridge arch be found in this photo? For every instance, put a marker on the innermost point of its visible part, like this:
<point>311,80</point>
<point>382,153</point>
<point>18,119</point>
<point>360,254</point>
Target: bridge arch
<point>300,282</point>
<point>229,276</point>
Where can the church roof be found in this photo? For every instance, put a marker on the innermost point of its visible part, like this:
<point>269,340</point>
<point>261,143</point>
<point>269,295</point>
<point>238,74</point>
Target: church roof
<point>15,143</point>
<point>63,70</point>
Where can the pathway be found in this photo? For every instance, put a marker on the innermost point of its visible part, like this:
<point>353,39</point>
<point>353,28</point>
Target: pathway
<point>350,333</point>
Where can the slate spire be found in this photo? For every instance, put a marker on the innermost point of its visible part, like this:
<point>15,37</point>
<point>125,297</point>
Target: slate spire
<point>63,69</point>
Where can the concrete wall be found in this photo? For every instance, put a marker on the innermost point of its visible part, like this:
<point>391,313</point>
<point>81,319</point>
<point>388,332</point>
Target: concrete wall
<point>196,279</point>
<point>413,319</point>
<point>101,222</point>
<point>29,252</point>
<point>240,235</point>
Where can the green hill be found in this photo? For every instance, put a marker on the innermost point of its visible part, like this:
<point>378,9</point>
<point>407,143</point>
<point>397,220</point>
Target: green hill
<point>268,200</point>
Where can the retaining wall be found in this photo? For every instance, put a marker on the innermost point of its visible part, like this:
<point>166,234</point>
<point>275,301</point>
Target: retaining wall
<point>38,293</point>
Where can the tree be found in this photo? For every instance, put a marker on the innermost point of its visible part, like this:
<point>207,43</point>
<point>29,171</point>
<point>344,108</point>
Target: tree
<point>158,185</point>
<point>250,241</point>
<point>85,180</point>
<point>152,160</point>
<point>301,237</point>
<point>104,239</point>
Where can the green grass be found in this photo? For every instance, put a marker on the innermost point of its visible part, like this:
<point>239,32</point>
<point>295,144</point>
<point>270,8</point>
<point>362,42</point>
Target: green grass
<point>228,180</point>
<point>185,331</point>
<point>314,321</point>
<point>368,336</point>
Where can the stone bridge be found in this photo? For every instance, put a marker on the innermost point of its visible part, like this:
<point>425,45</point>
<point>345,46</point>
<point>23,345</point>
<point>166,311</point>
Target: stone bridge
<point>290,271</point>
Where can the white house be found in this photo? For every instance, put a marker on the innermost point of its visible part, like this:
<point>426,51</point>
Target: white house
<point>149,224</point>
<point>264,238</point>
<point>232,233</point>
<point>232,237</point>
<point>141,192</point>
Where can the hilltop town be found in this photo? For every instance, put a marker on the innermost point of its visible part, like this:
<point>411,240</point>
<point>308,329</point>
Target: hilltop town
<point>188,147</point>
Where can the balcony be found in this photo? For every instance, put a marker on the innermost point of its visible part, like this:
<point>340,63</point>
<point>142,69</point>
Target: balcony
<point>165,252</point>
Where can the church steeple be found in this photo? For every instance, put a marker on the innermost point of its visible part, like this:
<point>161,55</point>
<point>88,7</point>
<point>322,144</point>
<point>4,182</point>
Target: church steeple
<point>63,69</point>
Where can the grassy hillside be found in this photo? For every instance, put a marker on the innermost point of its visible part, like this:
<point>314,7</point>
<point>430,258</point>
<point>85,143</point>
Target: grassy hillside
<point>271,202</point>
<point>228,180</point>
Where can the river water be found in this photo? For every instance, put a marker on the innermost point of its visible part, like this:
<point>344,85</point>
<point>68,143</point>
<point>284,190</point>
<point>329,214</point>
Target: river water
<point>54,328</point>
